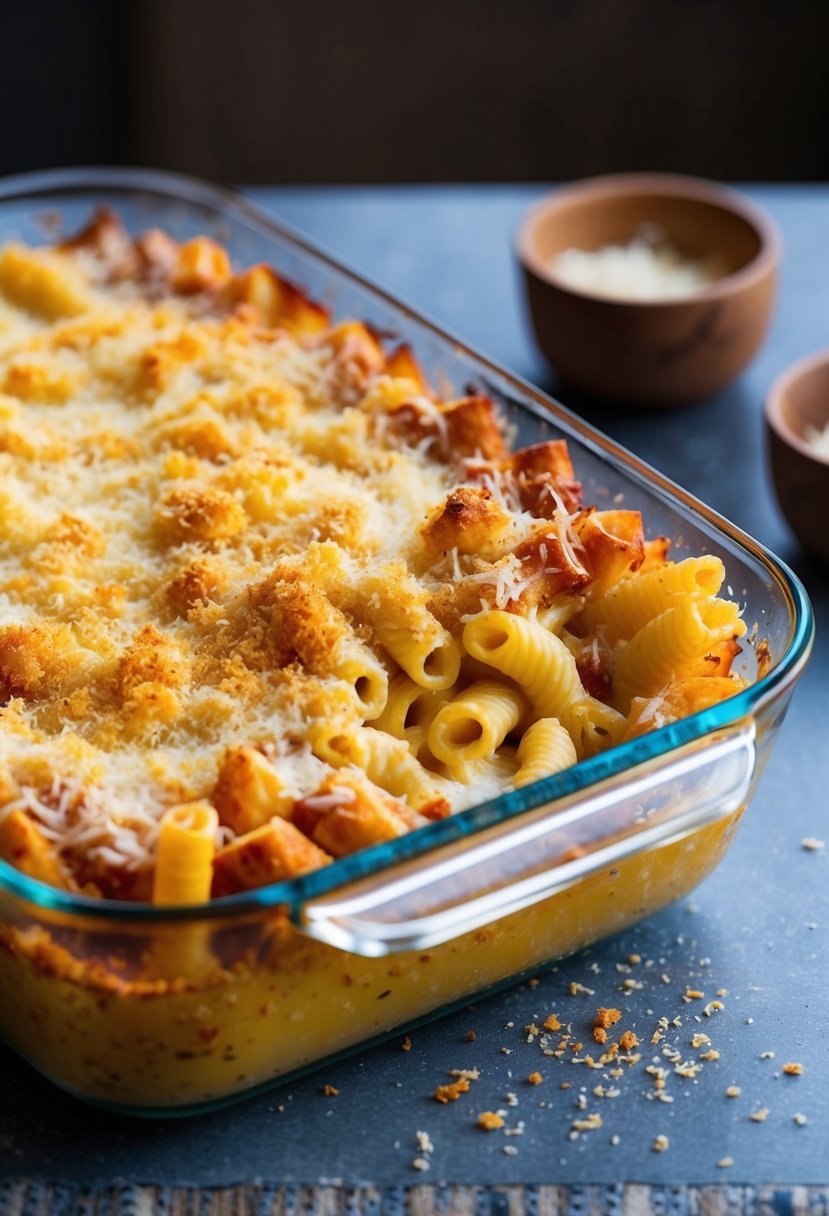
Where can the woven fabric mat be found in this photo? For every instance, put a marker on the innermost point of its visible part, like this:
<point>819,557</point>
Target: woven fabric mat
<point>22,1198</point>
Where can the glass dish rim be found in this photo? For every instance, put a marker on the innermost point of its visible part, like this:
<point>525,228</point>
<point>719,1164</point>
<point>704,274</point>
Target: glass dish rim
<point>293,893</point>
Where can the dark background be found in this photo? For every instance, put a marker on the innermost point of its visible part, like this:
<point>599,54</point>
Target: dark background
<point>364,91</point>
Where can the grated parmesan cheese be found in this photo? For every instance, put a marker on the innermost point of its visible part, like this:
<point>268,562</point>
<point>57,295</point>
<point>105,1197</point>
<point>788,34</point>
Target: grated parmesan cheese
<point>648,267</point>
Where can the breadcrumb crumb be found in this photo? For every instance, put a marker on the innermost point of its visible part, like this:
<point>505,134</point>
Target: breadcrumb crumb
<point>406,1045</point>
<point>811,844</point>
<point>800,1120</point>
<point>452,1091</point>
<point>661,1144</point>
<point>535,1078</point>
<point>724,1163</point>
<point>488,1121</point>
<point>330,1091</point>
<point>733,1091</point>
<point>760,1116</point>
<point>628,1041</point>
<point>605,1018</point>
<point>551,1023</point>
<point>792,1069</point>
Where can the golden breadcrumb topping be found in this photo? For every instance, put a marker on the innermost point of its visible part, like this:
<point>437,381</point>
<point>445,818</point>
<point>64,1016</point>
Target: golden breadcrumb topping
<point>240,547</point>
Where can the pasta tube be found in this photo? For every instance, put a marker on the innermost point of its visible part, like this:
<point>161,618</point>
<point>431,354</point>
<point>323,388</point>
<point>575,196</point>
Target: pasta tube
<point>545,748</point>
<point>476,722</point>
<point>625,608</point>
<point>670,642</point>
<point>186,847</point>
<point>538,661</point>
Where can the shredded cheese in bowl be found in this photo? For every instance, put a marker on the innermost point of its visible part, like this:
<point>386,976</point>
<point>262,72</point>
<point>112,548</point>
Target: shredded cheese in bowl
<point>818,440</point>
<point>649,267</point>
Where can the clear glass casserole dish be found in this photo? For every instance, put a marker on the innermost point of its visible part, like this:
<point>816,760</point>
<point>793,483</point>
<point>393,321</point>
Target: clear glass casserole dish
<point>154,1011</point>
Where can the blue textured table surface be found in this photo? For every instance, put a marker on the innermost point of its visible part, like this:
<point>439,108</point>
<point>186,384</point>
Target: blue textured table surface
<point>759,927</point>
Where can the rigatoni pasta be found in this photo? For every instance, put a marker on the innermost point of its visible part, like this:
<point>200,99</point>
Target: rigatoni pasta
<point>266,598</point>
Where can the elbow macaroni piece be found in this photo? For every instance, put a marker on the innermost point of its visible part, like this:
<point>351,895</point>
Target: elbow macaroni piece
<point>545,748</point>
<point>539,662</point>
<point>429,656</point>
<point>475,723</point>
<point>623,610</point>
<point>671,642</point>
<point>186,848</point>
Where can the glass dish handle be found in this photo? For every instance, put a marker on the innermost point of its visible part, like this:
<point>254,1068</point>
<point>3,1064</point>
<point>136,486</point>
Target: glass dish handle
<point>461,887</point>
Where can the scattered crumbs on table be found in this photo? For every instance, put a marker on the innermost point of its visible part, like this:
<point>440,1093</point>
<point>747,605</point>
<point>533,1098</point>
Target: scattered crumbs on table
<point>510,1150</point>
<point>465,1074</point>
<point>535,1078</point>
<point>470,1036</point>
<point>577,989</point>
<point>534,982</point>
<point>615,1141</point>
<point>700,1040</point>
<point>661,1144</point>
<point>424,1142</point>
<point>406,1045</point>
<point>506,1051</point>
<point>605,1018</point>
<point>793,1069</point>
<point>733,1091</point>
<point>488,1121</point>
<point>811,844</point>
<point>330,1091</point>
<point>759,1116</point>
<point>634,959</point>
<point>511,1099</point>
<point>766,1055</point>
<point>589,1123</point>
<point>420,1163</point>
<point>725,1163</point>
<point>800,1119</point>
<point>551,1023</point>
<point>749,1021</point>
<point>722,992</point>
<point>693,994</point>
<point>452,1091</point>
<point>565,1085</point>
<point>711,1054</point>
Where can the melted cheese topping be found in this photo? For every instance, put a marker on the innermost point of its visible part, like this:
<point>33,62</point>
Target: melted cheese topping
<point>172,482</point>
<point>224,526</point>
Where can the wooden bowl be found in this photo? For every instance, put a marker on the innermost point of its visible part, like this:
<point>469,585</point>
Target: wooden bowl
<point>661,352</point>
<point>797,400</point>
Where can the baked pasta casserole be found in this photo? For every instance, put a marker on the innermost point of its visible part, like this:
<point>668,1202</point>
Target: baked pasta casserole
<point>267,599</point>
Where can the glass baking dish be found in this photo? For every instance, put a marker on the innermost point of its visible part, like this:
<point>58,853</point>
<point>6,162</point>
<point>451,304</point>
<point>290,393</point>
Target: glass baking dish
<point>152,1011</point>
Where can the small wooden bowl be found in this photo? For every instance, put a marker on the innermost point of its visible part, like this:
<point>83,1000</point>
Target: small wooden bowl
<point>662,352</point>
<point>799,399</point>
